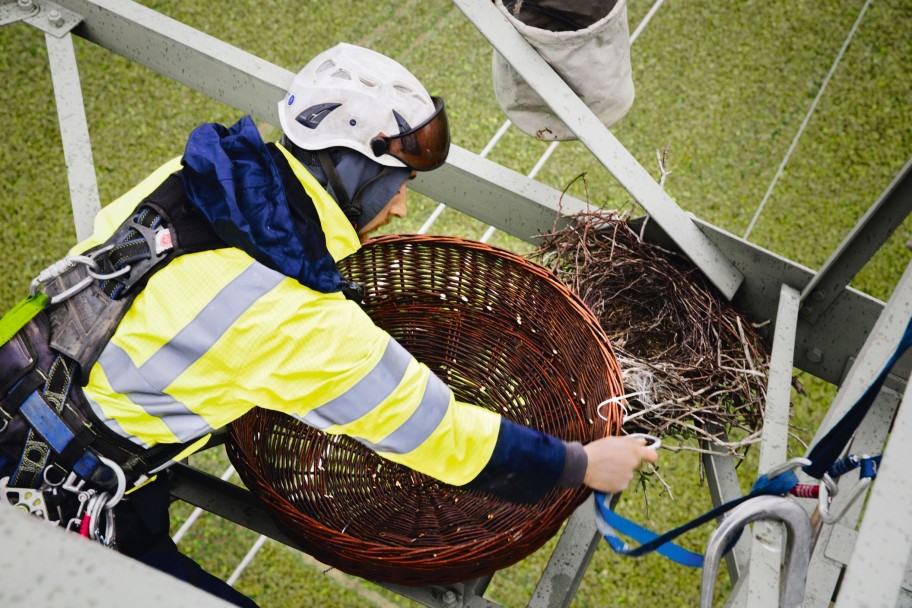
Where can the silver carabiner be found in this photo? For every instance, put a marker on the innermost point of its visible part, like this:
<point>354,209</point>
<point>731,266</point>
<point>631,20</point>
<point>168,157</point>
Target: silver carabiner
<point>829,489</point>
<point>121,481</point>
<point>652,442</point>
<point>788,465</point>
<point>798,545</point>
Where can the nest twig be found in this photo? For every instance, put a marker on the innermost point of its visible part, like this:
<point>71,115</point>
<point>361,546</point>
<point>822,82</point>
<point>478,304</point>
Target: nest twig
<point>693,366</point>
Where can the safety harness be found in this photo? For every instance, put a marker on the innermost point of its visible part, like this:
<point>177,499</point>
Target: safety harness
<point>60,462</point>
<point>57,459</point>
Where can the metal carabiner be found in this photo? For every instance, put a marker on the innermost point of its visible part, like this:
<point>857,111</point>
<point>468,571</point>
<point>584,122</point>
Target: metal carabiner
<point>797,552</point>
<point>57,269</point>
<point>101,505</point>
<point>788,465</point>
<point>829,489</point>
<point>652,442</point>
<point>121,481</point>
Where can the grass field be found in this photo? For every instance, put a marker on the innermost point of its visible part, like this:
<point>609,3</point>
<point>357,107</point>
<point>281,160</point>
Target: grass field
<point>725,84</point>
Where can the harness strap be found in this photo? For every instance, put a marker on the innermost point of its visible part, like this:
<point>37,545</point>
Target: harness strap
<point>17,395</point>
<point>19,315</point>
<point>141,243</point>
<point>650,541</point>
<point>62,438</point>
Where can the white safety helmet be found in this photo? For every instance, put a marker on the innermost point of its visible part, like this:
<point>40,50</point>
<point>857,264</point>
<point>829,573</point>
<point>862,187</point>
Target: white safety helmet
<point>356,98</point>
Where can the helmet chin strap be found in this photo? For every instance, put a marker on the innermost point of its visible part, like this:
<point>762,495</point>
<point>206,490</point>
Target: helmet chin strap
<point>351,209</point>
<point>356,200</point>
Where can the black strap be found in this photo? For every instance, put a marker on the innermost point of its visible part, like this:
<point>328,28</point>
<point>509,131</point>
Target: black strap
<point>352,210</point>
<point>134,244</point>
<point>189,228</point>
<point>13,401</point>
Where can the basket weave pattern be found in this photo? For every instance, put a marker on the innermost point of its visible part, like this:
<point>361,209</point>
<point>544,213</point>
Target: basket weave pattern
<point>503,333</point>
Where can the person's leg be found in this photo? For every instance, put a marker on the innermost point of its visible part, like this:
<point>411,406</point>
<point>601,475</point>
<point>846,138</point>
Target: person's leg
<point>143,534</point>
<point>164,556</point>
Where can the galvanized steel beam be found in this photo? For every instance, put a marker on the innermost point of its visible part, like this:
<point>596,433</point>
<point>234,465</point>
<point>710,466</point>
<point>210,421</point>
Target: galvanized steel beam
<point>879,346</point>
<point>569,560</point>
<point>722,481</point>
<point>868,236</point>
<point>224,499</point>
<point>502,198</point>
<point>877,350</point>
<point>242,507</point>
<point>74,132</point>
<point>835,543</point>
<point>189,56</point>
<point>879,563</point>
<point>766,547</point>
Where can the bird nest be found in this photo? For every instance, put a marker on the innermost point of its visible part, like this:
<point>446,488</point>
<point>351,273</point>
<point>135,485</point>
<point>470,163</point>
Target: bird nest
<point>693,366</point>
<point>503,333</point>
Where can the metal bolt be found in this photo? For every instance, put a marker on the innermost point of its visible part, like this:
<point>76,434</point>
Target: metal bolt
<point>817,295</point>
<point>25,5</point>
<point>55,17</point>
<point>449,599</point>
<point>814,355</point>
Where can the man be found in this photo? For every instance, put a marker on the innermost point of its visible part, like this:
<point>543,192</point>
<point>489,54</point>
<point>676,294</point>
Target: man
<point>212,288</point>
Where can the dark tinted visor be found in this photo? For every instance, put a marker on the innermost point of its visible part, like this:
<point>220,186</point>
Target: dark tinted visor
<point>422,148</point>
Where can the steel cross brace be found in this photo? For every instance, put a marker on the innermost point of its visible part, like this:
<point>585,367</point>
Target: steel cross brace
<point>56,22</point>
<point>879,561</point>
<point>868,235</point>
<point>603,145</point>
<point>242,507</point>
<point>760,585</point>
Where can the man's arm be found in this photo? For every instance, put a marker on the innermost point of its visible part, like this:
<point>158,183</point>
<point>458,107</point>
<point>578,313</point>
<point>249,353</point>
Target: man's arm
<point>344,375</point>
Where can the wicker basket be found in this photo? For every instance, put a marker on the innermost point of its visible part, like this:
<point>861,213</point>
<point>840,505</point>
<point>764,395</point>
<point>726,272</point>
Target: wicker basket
<point>502,332</point>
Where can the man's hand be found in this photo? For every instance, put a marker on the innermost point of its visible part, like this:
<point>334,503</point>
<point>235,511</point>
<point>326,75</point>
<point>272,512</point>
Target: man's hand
<point>613,460</point>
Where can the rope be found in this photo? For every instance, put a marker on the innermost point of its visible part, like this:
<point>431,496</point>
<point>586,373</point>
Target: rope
<point>807,119</point>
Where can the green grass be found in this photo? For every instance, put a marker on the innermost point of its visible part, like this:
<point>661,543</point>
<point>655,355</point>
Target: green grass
<point>725,84</point>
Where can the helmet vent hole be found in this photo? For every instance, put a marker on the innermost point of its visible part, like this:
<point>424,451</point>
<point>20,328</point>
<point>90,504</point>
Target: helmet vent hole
<point>403,89</point>
<point>326,65</point>
<point>341,75</point>
<point>368,83</point>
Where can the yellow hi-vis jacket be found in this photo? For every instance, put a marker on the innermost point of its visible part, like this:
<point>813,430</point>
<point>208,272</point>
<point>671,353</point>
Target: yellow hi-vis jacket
<point>214,334</point>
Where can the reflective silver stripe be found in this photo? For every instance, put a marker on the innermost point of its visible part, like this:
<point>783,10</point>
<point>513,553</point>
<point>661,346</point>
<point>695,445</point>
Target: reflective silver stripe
<point>201,334</point>
<point>113,424</point>
<point>145,386</point>
<point>421,424</point>
<point>367,393</point>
